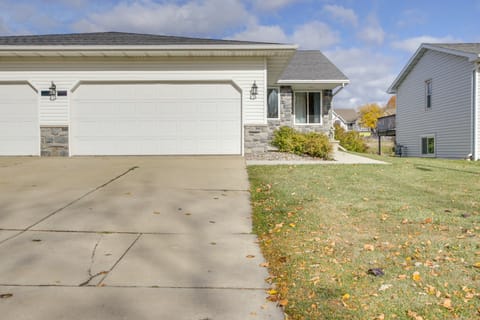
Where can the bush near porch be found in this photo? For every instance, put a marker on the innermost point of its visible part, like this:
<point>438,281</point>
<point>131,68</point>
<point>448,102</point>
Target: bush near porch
<point>287,139</point>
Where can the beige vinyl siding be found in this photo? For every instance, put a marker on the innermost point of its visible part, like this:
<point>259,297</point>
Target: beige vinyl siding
<point>67,72</point>
<point>449,119</point>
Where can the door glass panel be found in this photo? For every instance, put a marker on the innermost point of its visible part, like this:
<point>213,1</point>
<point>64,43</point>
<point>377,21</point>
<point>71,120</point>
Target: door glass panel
<point>272,102</point>
<point>314,107</point>
<point>301,107</point>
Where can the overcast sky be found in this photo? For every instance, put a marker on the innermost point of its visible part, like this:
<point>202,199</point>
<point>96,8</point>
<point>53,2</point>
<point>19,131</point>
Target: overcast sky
<point>370,40</point>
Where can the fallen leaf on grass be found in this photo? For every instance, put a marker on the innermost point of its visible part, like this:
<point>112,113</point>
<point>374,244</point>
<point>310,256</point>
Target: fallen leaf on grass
<point>414,315</point>
<point>384,287</point>
<point>402,277</point>
<point>264,265</point>
<point>428,221</point>
<point>272,292</point>
<point>416,276</point>
<point>283,302</point>
<point>477,265</point>
<point>368,247</point>
<point>380,317</point>
<point>447,303</point>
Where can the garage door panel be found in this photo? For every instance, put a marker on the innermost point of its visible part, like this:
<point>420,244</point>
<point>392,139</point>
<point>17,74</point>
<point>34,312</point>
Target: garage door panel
<point>132,119</point>
<point>19,128</point>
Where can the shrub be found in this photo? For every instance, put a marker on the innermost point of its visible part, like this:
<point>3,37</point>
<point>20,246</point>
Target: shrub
<point>318,145</point>
<point>350,140</point>
<point>287,139</point>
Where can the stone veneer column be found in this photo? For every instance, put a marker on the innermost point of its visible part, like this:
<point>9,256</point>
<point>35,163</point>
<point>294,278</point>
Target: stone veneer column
<point>259,137</point>
<point>54,141</point>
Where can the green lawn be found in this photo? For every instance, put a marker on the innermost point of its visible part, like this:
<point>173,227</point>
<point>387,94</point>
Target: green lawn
<point>322,227</point>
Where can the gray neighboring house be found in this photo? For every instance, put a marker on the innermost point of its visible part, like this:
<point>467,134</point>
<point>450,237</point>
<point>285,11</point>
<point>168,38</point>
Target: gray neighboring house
<point>438,112</point>
<point>346,118</point>
<point>113,93</point>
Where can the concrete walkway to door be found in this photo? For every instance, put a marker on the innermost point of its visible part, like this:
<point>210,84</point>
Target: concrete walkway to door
<point>129,238</point>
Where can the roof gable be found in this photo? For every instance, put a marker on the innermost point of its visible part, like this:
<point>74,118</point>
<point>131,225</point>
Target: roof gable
<point>348,115</point>
<point>471,51</point>
<point>311,65</point>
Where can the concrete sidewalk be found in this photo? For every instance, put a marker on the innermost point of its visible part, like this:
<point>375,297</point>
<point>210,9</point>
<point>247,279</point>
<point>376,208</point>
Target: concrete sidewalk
<point>129,238</point>
<point>340,157</point>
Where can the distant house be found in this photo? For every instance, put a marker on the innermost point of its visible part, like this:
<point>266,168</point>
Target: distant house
<point>437,102</point>
<point>348,119</point>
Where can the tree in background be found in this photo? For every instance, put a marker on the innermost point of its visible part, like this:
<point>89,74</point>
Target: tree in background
<point>391,106</point>
<point>369,115</point>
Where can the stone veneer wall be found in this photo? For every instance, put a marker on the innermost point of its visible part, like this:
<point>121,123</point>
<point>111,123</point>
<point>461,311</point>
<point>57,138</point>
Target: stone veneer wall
<point>258,137</point>
<point>54,141</point>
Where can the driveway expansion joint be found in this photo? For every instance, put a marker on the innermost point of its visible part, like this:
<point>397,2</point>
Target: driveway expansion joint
<point>69,204</point>
<point>106,273</point>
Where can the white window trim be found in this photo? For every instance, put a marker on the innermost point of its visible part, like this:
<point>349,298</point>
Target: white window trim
<point>429,155</point>
<point>427,83</point>
<point>321,109</point>
<point>278,103</point>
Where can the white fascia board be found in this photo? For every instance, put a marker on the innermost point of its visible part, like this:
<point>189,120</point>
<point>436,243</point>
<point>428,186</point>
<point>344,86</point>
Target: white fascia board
<point>313,81</point>
<point>253,50</point>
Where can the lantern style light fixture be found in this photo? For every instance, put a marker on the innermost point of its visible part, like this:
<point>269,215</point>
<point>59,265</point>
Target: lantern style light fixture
<point>254,91</point>
<point>53,92</point>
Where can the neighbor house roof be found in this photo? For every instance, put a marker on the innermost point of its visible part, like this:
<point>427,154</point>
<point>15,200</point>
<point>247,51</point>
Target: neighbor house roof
<point>311,66</point>
<point>113,39</point>
<point>471,51</point>
<point>348,115</point>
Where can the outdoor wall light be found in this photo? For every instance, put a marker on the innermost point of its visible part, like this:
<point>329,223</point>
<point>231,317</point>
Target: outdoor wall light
<point>254,91</point>
<point>53,92</point>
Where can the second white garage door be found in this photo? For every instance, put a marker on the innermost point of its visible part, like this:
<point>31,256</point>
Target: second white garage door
<point>156,119</point>
<point>19,129</point>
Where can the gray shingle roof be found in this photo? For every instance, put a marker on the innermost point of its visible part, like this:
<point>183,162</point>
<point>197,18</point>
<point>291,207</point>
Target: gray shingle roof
<point>464,47</point>
<point>112,39</point>
<point>311,65</point>
<point>349,115</point>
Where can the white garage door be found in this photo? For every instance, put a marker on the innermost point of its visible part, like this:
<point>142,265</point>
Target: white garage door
<point>156,119</point>
<point>19,129</point>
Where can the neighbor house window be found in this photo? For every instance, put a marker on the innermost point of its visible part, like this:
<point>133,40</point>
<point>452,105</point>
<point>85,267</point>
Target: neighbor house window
<point>428,145</point>
<point>308,107</point>
<point>428,94</point>
<point>272,103</point>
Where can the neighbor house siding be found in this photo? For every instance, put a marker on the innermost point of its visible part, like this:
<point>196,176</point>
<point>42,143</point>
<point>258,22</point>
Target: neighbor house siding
<point>449,119</point>
<point>67,72</point>
<point>477,113</point>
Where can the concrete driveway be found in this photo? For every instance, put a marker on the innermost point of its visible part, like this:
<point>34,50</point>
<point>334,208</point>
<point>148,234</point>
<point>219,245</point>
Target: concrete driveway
<point>129,238</point>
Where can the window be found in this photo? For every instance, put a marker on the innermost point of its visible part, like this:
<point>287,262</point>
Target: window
<point>428,94</point>
<point>308,108</point>
<point>428,145</point>
<point>272,103</point>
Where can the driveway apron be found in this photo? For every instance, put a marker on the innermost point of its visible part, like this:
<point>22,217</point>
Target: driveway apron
<point>129,238</point>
